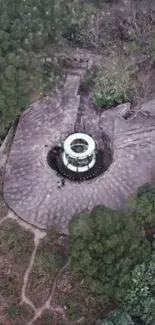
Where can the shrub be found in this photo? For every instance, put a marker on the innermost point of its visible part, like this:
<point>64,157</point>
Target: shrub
<point>145,205</point>
<point>54,260</point>
<point>16,311</point>
<point>110,89</point>
<point>105,246</point>
<point>51,74</point>
<point>47,319</point>
<point>8,287</point>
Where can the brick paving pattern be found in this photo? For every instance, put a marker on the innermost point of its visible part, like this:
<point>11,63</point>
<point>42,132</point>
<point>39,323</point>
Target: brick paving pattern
<point>30,186</point>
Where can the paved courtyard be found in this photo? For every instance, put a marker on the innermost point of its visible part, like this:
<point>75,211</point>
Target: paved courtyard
<point>30,185</point>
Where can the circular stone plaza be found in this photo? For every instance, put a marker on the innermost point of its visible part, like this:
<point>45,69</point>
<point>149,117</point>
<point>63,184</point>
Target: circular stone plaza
<point>69,156</point>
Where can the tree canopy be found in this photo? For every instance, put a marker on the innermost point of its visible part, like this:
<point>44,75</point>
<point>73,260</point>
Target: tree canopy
<point>105,246</point>
<point>145,205</point>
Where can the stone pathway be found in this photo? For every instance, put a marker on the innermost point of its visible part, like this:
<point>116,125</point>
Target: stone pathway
<point>30,187</point>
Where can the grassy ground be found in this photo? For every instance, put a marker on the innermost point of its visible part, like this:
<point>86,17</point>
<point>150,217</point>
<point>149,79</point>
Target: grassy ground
<point>71,293</point>
<point>15,248</point>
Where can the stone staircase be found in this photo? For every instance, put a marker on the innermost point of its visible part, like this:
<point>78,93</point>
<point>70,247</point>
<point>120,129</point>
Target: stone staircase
<point>75,61</point>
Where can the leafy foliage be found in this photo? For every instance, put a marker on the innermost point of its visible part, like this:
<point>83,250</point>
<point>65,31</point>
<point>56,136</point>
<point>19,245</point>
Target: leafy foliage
<point>145,205</point>
<point>16,311</point>
<point>105,246</point>
<point>109,89</point>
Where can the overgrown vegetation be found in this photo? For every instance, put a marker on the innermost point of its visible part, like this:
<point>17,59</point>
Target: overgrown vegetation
<point>14,239</point>
<point>110,89</point>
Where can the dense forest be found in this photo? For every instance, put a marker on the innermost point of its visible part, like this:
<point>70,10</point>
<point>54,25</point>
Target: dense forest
<point>29,29</point>
<point>26,29</point>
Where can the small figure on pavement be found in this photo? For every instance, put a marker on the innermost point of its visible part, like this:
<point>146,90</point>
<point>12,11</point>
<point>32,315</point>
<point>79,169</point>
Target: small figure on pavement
<point>60,183</point>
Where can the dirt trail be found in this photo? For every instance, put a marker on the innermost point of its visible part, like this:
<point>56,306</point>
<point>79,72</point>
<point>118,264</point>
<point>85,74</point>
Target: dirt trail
<point>3,219</point>
<point>27,273</point>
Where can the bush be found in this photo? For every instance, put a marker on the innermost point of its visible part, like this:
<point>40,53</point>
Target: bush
<point>145,205</point>
<point>8,287</point>
<point>47,319</point>
<point>16,311</point>
<point>54,260</point>
<point>105,246</point>
<point>109,89</point>
<point>51,74</point>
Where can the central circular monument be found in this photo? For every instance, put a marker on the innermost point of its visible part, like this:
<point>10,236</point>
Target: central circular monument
<point>78,157</point>
<point>98,152</point>
<point>79,152</point>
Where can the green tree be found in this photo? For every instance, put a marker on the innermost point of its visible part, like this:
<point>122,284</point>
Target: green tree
<point>138,307</point>
<point>105,246</point>
<point>142,282</point>
<point>140,299</point>
<point>145,205</point>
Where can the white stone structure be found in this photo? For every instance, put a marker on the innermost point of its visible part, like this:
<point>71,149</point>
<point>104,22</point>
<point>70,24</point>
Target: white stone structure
<point>79,154</point>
